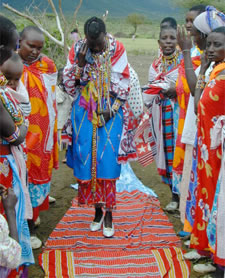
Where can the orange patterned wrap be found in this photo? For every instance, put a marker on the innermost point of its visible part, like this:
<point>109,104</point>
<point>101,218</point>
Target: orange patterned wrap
<point>40,80</point>
<point>183,94</point>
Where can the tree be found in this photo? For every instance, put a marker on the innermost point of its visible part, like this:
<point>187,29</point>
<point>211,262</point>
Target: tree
<point>39,18</point>
<point>135,20</point>
<point>219,4</point>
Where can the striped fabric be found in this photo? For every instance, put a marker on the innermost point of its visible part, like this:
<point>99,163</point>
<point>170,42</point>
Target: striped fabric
<point>168,136</point>
<point>144,244</point>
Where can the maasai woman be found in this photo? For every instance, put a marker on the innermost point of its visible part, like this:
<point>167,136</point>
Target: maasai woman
<point>99,119</point>
<point>161,99</point>
<point>183,150</point>
<point>39,78</point>
<point>12,132</point>
<point>211,107</point>
<point>201,28</point>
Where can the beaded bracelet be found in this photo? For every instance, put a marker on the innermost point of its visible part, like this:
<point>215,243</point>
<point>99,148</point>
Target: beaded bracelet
<point>201,77</point>
<point>200,82</point>
<point>200,85</point>
<point>78,71</point>
<point>12,138</point>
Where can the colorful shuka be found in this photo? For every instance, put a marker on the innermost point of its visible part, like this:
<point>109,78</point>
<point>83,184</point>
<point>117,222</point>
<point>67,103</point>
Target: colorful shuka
<point>97,149</point>
<point>10,175</point>
<point>183,151</point>
<point>40,79</point>
<point>162,110</point>
<point>190,135</point>
<point>216,226</point>
<point>211,106</point>
<point>183,94</point>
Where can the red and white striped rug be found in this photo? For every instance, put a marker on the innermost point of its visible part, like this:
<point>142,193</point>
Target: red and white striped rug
<point>144,244</point>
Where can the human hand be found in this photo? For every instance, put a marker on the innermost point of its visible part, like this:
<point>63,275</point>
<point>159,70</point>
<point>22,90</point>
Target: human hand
<point>183,38</point>
<point>9,201</point>
<point>82,54</point>
<point>170,93</point>
<point>107,115</point>
<point>3,191</point>
<point>204,63</point>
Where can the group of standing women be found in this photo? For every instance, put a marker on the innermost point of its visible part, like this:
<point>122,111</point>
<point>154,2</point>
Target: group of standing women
<point>185,114</point>
<point>188,77</point>
<point>28,143</point>
<point>186,104</point>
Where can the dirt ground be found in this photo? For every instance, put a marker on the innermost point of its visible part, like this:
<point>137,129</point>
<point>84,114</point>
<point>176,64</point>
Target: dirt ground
<point>63,193</point>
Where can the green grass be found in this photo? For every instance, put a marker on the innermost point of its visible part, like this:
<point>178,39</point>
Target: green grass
<point>140,46</point>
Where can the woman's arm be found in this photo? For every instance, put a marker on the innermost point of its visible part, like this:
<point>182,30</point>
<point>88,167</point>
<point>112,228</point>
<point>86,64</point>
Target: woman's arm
<point>9,203</point>
<point>8,129</point>
<point>74,68</point>
<point>185,43</point>
<point>200,85</point>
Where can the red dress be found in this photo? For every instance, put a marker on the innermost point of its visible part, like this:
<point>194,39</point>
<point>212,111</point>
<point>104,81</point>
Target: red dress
<point>211,106</point>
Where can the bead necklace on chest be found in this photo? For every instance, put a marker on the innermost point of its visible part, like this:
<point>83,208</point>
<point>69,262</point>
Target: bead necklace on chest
<point>100,75</point>
<point>168,61</point>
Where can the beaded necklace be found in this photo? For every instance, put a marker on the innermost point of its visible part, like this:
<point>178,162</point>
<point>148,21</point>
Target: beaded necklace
<point>9,103</point>
<point>3,80</point>
<point>167,61</point>
<point>100,75</point>
<point>99,87</point>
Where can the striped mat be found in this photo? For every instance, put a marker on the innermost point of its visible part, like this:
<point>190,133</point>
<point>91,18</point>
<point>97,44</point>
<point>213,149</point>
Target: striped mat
<point>144,244</point>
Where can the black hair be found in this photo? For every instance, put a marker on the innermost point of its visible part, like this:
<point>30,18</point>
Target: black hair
<point>6,29</point>
<point>220,30</point>
<point>198,8</point>
<point>171,21</point>
<point>7,38</point>
<point>30,28</point>
<point>74,31</point>
<point>93,27</point>
<point>166,28</point>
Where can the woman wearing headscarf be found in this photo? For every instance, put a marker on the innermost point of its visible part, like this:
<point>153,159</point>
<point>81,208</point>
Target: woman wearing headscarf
<point>208,229</point>
<point>212,18</point>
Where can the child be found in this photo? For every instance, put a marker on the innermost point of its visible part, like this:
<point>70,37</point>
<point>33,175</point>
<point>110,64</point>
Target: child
<point>39,77</point>
<point>13,69</point>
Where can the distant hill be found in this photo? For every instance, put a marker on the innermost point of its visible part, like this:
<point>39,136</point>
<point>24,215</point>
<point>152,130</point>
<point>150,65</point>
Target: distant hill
<point>153,9</point>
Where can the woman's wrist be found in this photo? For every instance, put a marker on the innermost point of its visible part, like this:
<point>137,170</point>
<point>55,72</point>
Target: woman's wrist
<point>203,70</point>
<point>9,211</point>
<point>12,138</point>
<point>186,50</point>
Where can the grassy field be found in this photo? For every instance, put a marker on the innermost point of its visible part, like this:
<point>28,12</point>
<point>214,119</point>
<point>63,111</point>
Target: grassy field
<point>140,46</point>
